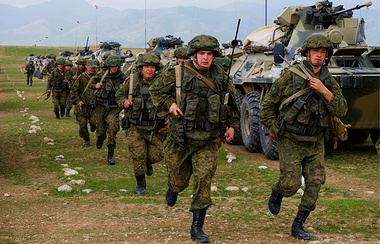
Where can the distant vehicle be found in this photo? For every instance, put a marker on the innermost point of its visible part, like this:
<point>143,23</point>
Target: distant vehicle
<point>269,50</point>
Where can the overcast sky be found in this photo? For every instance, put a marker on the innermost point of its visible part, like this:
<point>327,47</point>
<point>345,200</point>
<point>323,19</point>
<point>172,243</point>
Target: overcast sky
<point>153,4</point>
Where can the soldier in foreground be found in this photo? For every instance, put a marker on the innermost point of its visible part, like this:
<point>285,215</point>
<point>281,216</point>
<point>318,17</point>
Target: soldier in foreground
<point>142,120</point>
<point>29,72</point>
<point>59,87</point>
<point>301,127</point>
<point>50,66</point>
<point>197,105</point>
<point>81,96</point>
<point>106,112</point>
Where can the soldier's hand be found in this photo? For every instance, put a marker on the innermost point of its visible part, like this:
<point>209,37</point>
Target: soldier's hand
<point>321,88</point>
<point>127,104</point>
<point>174,109</point>
<point>74,77</point>
<point>98,85</point>
<point>273,136</point>
<point>66,81</point>
<point>229,134</point>
<point>80,103</point>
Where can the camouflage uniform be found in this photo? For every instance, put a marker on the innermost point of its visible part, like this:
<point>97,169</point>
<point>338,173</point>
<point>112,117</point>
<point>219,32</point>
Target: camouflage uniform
<point>80,93</point>
<point>29,73</point>
<point>301,136</point>
<point>50,66</point>
<point>106,112</point>
<point>199,153</point>
<point>59,88</point>
<point>75,71</point>
<point>142,117</point>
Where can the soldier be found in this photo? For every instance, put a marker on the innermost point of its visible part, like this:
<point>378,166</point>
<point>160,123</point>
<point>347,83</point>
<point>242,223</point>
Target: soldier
<point>301,127</point>
<point>59,88</point>
<point>224,62</point>
<point>107,82</point>
<point>197,108</point>
<point>81,96</point>
<point>29,72</point>
<point>51,65</point>
<point>145,144</point>
<point>181,54</point>
<point>71,76</point>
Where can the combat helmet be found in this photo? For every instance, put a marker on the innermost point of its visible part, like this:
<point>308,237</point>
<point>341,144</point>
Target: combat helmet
<point>82,61</point>
<point>148,59</point>
<point>61,61</point>
<point>68,63</point>
<point>203,43</point>
<point>114,60</point>
<point>181,52</point>
<point>317,41</point>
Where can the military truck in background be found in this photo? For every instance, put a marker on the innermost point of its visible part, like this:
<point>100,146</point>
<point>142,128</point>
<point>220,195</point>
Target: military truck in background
<point>269,50</point>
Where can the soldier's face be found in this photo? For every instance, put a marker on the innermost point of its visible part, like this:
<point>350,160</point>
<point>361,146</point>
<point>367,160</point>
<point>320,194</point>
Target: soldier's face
<point>81,66</point>
<point>148,71</point>
<point>60,66</point>
<point>113,69</point>
<point>90,70</point>
<point>317,55</point>
<point>204,59</point>
<point>67,67</point>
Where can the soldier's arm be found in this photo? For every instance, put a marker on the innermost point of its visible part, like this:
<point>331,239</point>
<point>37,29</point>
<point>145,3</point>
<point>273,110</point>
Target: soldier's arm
<point>122,93</point>
<point>234,115</point>
<point>75,91</point>
<point>273,99</point>
<point>162,90</point>
<point>49,83</point>
<point>338,104</point>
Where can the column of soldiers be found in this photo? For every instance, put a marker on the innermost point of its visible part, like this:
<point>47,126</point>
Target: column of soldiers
<point>179,113</point>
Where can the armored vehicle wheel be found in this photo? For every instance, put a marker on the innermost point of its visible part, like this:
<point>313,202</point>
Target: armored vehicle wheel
<point>374,134</point>
<point>269,146</point>
<point>249,121</point>
<point>237,136</point>
<point>357,136</point>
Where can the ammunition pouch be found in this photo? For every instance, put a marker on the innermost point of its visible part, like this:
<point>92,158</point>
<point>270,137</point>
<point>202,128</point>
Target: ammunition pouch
<point>294,110</point>
<point>124,123</point>
<point>303,130</point>
<point>213,108</point>
<point>177,129</point>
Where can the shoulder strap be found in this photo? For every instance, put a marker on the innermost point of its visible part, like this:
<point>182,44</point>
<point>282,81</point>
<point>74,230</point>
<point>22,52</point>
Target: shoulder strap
<point>178,80</point>
<point>101,81</point>
<point>201,77</point>
<point>297,94</point>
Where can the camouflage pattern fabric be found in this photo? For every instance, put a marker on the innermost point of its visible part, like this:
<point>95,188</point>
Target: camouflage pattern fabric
<point>83,112</point>
<point>107,124</point>
<point>198,162</point>
<point>301,154</point>
<point>59,100</point>
<point>297,160</point>
<point>29,73</point>
<point>59,88</point>
<point>143,150</point>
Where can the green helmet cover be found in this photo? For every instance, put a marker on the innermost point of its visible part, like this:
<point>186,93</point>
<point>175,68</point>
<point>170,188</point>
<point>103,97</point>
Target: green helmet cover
<point>61,61</point>
<point>114,60</point>
<point>223,61</point>
<point>181,52</point>
<point>203,43</point>
<point>68,63</point>
<point>81,61</point>
<point>148,59</point>
<point>317,41</point>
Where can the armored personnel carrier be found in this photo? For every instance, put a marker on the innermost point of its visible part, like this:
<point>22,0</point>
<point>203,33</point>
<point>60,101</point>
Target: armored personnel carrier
<point>269,50</point>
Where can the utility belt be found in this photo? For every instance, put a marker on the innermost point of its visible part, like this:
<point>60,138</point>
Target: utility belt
<point>142,123</point>
<point>200,124</point>
<point>303,130</point>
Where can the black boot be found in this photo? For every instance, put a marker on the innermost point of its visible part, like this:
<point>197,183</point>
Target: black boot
<point>110,159</point>
<point>196,231</point>
<point>62,112</point>
<point>141,185</point>
<point>68,113</point>
<point>56,115</point>
<point>99,144</point>
<point>274,202</point>
<point>171,197</point>
<point>149,172</point>
<point>297,228</point>
<point>86,142</point>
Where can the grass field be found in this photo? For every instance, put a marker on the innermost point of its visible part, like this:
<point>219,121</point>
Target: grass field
<point>34,211</point>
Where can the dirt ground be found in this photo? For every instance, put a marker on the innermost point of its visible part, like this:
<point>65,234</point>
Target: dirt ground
<point>37,217</point>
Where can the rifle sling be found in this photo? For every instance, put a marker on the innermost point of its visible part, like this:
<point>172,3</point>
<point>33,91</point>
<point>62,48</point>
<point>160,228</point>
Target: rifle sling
<point>178,80</point>
<point>101,81</point>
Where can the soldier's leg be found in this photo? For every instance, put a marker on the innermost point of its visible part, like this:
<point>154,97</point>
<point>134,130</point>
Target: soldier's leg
<point>113,126</point>
<point>291,157</point>
<point>55,101</point>
<point>204,164</point>
<point>101,126</point>
<point>62,102</point>
<point>314,173</point>
<point>155,151</point>
<point>138,149</point>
